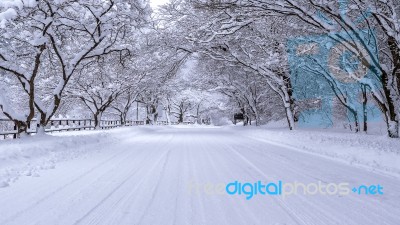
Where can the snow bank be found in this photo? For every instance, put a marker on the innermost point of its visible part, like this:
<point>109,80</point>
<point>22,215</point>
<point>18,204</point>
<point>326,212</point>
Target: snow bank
<point>28,156</point>
<point>375,152</point>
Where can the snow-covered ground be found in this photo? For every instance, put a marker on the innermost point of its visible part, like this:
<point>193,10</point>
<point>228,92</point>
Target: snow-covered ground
<point>173,175</point>
<point>377,153</point>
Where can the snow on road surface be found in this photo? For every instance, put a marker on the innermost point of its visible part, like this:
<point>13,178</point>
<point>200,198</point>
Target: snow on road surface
<point>167,175</point>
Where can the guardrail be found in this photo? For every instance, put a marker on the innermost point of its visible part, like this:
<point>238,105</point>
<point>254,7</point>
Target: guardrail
<point>9,130</point>
<point>174,123</point>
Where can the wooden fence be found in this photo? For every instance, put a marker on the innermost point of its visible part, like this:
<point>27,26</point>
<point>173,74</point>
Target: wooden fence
<point>9,130</point>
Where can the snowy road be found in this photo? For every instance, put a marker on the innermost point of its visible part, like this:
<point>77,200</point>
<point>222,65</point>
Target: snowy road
<point>165,176</point>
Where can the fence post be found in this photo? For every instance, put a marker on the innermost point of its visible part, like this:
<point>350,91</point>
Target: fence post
<point>16,129</point>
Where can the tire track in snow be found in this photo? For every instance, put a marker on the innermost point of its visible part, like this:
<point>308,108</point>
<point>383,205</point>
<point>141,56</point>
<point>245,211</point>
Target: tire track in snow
<point>223,159</point>
<point>156,187</point>
<point>199,210</point>
<point>330,203</point>
<point>291,212</point>
<point>70,183</point>
<point>109,163</point>
<point>98,217</point>
<point>128,199</point>
<point>293,170</point>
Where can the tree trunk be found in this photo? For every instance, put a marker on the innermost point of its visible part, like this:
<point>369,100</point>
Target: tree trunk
<point>123,116</point>
<point>167,114</point>
<point>180,119</point>
<point>365,113</point>
<point>288,103</point>
<point>388,85</point>
<point>198,120</point>
<point>289,117</point>
<point>393,129</point>
<point>21,128</point>
<point>355,116</point>
<point>155,117</point>
<point>257,119</point>
<point>121,119</point>
<point>245,118</point>
<point>41,124</point>
<point>97,120</point>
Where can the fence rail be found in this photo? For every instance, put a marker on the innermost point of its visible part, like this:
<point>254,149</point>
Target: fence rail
<point>9,130</point>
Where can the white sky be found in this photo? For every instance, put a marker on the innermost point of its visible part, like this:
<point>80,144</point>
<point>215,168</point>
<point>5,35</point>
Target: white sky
<point>155,3</point>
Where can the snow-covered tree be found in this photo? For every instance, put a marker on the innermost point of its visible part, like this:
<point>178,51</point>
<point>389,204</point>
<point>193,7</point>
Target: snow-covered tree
<point>52,40</point>
<point>338,20</point>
